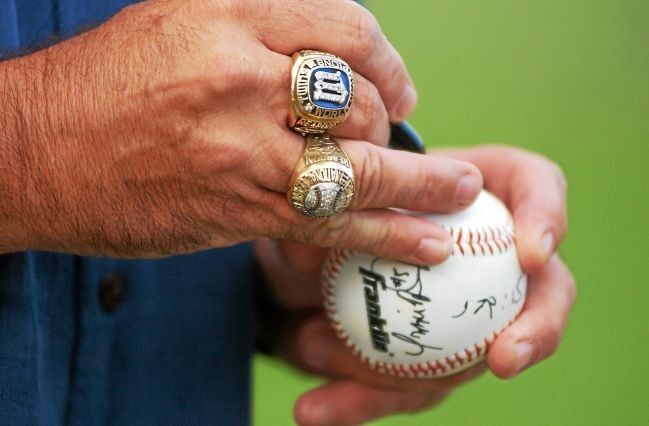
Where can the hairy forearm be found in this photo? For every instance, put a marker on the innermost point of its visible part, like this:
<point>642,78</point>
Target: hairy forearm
<point>16,125</point>
<point>37,104</point>
<point>73,120</point>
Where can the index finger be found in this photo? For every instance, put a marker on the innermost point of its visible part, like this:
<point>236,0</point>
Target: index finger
<point>534,188</point>
<point>343,28</point>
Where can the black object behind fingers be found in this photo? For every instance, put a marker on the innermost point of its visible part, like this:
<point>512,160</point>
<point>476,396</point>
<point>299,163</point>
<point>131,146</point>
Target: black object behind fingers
<point>404,137</point>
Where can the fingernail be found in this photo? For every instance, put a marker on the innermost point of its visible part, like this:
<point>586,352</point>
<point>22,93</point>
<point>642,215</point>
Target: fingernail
<point>548,243</point>
<point>467,190</point>
<point>406,104</point>
<point>524,353</point>
<point>320,414</point>
<point>433,251</point>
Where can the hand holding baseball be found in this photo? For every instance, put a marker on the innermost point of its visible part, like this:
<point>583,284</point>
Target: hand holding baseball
<point>534,188</point>
<point>357,394</point>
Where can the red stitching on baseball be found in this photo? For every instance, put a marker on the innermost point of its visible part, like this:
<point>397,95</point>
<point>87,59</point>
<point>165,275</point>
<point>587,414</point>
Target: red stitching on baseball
<point>487,236</point>
<point>470,243</point>
<point>469,355</point>
<point>486,240</point>
<point>458,242</point>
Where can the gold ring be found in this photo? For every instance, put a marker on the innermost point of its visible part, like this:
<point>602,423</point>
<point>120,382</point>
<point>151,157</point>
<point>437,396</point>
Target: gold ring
<point>322,89</point>
<point>322,184</point>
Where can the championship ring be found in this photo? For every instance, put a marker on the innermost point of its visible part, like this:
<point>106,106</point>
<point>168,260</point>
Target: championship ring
<point>322,184</point>
<point>322,88</point>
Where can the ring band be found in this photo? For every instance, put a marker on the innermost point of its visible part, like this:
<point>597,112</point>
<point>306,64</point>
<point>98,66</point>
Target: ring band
<point>322,89</point>
<point>322,184</point>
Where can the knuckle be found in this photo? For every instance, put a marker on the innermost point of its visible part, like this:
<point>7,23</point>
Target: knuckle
<point>370,176</point>
<point>557,208</point>
<point>433,186</point>
<point>365,37</point>
<point>230,74</point>
<point>241,75</point>
<point>553,331</point>
<point>551,166</point>
<point>331,232</point>
<point>271,164</point>
<point>571,289</point>
<point>562,228</point>
<point>369,104</point>
<point>560,176</point>
<point>390,240</point>
<point>561,211</point>
<point>387,237</point>
<point>374,117</point>
<point>234,73</point>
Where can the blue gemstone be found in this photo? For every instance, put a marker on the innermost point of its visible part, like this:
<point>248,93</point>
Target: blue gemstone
<point>329,88</point>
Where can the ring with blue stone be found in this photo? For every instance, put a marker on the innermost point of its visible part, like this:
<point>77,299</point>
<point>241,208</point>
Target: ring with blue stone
<point>322,89</point>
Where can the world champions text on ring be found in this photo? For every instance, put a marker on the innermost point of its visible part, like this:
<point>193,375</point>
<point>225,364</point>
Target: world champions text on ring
<point>322,184</point>
<point>322,89</point>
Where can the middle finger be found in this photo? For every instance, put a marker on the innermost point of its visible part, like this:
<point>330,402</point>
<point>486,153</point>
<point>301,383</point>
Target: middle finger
<point>384,177</point>
<point>342,28</point>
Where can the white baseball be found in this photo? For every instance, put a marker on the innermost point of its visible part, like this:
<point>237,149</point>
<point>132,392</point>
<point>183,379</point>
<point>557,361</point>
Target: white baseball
<point>419,321</point>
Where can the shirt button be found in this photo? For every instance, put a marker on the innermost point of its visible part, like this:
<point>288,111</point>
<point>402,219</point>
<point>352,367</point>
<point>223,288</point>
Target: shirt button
<point>111,292</point>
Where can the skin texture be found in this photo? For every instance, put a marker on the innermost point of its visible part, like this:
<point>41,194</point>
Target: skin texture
<point>354,393</point>
<point>164,131</point>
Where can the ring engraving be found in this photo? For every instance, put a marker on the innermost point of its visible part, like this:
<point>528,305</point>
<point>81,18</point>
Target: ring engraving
<point>323,182</point>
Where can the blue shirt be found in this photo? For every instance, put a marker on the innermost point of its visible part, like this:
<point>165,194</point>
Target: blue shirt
<point>99,341</point>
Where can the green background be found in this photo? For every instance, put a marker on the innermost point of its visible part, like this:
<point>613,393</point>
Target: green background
<point>570,79</point>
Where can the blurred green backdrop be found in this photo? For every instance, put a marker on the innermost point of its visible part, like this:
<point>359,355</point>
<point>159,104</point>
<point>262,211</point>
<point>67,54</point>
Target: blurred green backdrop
<point>570,79</point>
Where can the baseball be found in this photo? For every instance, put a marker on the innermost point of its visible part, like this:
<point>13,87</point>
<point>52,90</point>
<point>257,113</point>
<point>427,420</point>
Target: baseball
<point>430,321</point>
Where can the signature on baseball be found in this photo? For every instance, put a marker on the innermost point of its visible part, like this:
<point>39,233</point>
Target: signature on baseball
<point>405,281</point>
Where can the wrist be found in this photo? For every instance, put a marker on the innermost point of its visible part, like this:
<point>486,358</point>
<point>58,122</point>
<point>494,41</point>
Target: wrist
<point>14,155</point>
<point>30,136</point>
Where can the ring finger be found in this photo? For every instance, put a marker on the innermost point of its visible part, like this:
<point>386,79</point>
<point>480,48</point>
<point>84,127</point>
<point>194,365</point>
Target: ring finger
<point>368,117</point>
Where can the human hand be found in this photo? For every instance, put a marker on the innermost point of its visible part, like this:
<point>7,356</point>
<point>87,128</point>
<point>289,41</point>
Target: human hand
<point>164,131</point>
<point>534,189</point>
<point>355,393</point>
<point>298,330</point>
